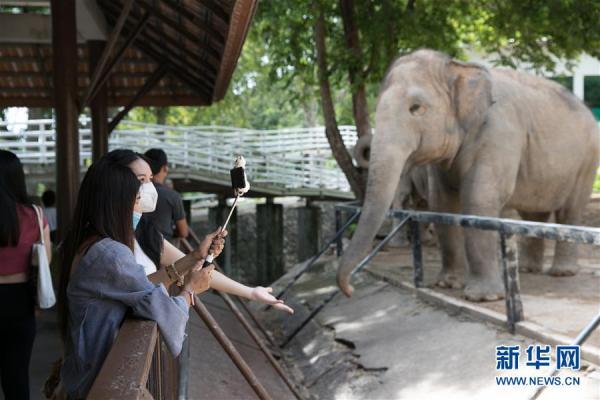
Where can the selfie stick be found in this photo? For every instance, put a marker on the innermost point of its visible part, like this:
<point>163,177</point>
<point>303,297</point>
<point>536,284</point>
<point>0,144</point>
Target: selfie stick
<point>240,186</point>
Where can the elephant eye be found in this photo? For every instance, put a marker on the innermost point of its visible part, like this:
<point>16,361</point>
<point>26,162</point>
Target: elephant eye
<point>417,109</point>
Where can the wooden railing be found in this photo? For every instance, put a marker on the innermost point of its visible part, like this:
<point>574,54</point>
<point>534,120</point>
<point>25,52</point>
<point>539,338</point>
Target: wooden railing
<point>138,366</point>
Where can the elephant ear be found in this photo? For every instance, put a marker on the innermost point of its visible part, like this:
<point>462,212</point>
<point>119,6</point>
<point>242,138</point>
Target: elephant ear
<point>471,93</point>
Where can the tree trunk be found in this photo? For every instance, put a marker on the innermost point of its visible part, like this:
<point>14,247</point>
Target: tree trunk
<point>341,154</point>
<point>161,115</point>
<point>360,106</point>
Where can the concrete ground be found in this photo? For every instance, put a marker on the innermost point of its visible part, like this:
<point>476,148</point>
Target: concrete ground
<point>384,343</point>
<point>563,305</point>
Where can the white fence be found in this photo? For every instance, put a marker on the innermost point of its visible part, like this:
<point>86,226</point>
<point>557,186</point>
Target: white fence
<point>290,158</point>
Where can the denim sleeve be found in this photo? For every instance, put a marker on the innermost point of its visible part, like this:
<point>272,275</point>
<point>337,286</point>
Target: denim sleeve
<point>122,279</point>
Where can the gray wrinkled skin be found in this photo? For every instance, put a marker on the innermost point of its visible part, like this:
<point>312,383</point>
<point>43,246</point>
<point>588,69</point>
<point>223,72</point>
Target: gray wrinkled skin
<point>489,139</point>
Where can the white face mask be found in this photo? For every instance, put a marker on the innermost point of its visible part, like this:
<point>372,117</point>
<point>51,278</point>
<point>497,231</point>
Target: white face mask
<point>148,197</point>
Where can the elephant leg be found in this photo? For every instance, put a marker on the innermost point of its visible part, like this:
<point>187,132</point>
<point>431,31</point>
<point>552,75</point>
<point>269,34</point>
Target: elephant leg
<point>483,195</point>
<point>565,253</point>
<point>451,240</point>
<point>531,250</point>
<point>453,256</point>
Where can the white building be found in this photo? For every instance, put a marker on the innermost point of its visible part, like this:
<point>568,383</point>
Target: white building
<point>583,79</point>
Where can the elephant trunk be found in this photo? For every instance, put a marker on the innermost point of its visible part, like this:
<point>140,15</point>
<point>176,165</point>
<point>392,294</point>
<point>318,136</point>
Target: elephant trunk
<point>385,169</point>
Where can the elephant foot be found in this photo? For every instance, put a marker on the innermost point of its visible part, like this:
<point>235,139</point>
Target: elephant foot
<point>530,268</point>
<point>448,280</point>
<point>484,290</point>
<point>563,270</point>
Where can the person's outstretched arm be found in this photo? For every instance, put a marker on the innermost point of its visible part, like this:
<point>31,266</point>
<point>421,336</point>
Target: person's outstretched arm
<point>224,284</point>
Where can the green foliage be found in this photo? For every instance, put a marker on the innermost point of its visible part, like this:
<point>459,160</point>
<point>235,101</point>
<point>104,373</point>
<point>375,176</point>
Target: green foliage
<point>275,82</point>
<point>597,184</point>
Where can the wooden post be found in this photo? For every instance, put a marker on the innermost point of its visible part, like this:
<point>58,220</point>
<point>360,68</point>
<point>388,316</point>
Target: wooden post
<point>99,104</point>
<point>309,231</point>
<point>269,242</point>
<point>64,51</point>
<point>510,269</point>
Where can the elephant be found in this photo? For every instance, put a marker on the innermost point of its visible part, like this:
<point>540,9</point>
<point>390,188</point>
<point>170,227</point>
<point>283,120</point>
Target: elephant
<point>411,192</point>
<point>490,139</point>
<point>413,186</point>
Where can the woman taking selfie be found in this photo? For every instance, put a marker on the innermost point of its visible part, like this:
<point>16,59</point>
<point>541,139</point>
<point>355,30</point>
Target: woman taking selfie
<point>152,250</point>
<point>19,230</point>
<point>101,279</point>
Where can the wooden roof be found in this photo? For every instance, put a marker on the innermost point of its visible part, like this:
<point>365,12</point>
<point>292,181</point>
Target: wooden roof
<point>197,41</point>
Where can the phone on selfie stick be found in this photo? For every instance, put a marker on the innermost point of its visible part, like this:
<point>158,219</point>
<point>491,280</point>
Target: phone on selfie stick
<point>240,186</point>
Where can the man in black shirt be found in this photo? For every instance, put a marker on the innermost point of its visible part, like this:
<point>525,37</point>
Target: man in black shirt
<point>169,211</point>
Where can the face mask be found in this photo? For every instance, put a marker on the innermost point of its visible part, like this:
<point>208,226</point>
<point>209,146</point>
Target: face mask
<point>148,197</point>
<point>136,219</point>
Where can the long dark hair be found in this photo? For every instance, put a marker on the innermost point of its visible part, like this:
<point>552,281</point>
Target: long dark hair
<point>104,210</point>
<point>12,191</point>
<point>150,239</point>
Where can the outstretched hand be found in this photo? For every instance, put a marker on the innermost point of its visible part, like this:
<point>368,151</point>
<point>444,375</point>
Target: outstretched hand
<point>264,295</point>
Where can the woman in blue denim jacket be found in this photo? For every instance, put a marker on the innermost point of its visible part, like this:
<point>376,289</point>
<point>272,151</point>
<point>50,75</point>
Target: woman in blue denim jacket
<point>101,281</point>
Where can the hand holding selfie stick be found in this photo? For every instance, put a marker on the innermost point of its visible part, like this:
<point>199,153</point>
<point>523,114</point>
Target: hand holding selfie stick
<point>240,187</point>
<point>175,272</point>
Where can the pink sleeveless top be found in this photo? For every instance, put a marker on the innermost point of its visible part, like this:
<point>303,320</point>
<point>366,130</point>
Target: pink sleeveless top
<point>14,260</point>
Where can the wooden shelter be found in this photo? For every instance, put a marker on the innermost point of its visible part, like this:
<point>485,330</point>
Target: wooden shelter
<point>73,54</point>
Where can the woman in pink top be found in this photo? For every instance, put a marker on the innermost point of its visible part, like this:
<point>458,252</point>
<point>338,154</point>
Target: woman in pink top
<point>18,231</point>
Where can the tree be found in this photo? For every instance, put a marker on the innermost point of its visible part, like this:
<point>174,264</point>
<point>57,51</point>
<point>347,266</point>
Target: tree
<point>359,40</point>
<point>279,77</point>
<point>339,150</point>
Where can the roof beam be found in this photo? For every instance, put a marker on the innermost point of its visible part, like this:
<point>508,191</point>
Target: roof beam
<point>242,14</point>
<point>154,36</point>
<point>180,9</point>
<point>173,24</point>
<point>180,67</point>
<point>108,69</point>
<point>110,45</point>
<point>217,10</point>
<point>181,72</point>
<point>91,23</point>
<point>150,83</point>
<point>81,74</point>
<point>210,51</point>
<point>113,101</point>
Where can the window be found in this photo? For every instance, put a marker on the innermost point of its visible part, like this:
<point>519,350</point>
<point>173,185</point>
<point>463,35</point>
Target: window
<point>591,93</point>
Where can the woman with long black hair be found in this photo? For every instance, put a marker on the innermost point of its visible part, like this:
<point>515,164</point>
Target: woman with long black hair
<point>153,251</point>
<point>19,230</point>
<point>101,281</point>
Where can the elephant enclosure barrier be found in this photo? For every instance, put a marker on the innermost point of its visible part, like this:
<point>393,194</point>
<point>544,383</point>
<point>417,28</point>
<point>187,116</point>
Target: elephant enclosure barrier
<point>506,228</point>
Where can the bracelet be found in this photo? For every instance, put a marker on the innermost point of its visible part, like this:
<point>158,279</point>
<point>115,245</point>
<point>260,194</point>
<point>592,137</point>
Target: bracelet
<point>192,302</point>
<point>174,275</point>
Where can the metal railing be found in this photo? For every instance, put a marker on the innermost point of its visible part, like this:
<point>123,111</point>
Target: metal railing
<point>290,158</point>
<point>505,227</point>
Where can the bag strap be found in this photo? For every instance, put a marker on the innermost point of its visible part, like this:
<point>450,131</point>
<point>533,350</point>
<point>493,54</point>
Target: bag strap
<point>40,222</point>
